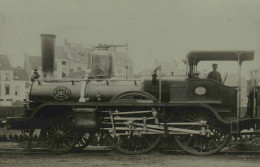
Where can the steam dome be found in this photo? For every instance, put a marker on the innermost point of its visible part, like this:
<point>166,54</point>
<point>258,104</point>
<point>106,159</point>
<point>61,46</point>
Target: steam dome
<point>102,63</point>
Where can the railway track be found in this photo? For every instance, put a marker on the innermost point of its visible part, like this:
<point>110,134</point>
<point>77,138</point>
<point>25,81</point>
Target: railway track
<point>13,149</point>
<point>105,150</point>
<point>16,142</point>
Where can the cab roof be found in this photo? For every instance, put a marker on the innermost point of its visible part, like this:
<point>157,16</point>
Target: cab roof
<point>195,57</point>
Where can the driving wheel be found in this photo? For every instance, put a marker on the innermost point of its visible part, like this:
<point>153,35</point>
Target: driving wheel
<point>218,135</point>
<point>127,138</point>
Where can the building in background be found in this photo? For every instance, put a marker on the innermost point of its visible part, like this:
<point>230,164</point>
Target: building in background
<point>68,58</point>
<point>123,65</point>
<point>31,63</point>
<point>255,77</point>
<point>168,68</point>
<point>21,87</point>
<point>14,84</point>
<point>73,58</point>
<point>232,79</point>
<point>6,81</point>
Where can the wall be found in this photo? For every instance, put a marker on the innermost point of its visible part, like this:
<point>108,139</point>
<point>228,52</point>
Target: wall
<point>5,99</point>
<point>23,91</point>
<point>12,98</point>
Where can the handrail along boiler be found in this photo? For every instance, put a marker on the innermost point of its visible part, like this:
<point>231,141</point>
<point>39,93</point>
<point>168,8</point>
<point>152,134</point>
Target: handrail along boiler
<point>200,115</point>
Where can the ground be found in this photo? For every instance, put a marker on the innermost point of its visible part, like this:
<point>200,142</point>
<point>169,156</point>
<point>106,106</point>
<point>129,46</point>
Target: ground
<point>116,160</point>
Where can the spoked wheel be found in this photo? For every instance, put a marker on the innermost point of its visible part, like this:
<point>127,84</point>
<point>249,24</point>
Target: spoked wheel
<point>60,135</point>
<point>128,137</point>
<point>84,140</point>
<point>198,144</point>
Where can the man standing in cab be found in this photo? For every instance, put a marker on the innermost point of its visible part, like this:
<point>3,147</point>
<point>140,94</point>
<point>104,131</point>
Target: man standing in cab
<point>215,75</point>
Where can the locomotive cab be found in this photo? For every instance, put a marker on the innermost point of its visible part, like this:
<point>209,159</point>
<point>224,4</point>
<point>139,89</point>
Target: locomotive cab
<point>202,91</point>
<point>225,98</point>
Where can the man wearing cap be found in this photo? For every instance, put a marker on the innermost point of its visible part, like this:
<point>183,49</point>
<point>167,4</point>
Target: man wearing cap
<point>215,75</point>
<point>35,75</point>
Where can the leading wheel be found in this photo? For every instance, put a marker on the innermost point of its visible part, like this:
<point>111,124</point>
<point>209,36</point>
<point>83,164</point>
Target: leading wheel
<point>133,141</point>
<point>60,135</point>
<point>198,144</point>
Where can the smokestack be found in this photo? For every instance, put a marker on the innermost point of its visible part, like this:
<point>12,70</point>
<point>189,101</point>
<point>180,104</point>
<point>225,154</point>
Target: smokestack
<point>48,55</point>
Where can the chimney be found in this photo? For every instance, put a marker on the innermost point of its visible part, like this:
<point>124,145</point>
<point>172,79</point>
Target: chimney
<point>48,55</point>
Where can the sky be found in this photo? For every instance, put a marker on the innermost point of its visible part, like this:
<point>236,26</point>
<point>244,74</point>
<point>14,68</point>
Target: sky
<point>162,29</point>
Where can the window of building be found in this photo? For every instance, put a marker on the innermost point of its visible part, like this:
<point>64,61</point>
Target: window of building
<point>71,70</point>
<point>79,68</point>
<point>7,89</point>
<point>64,72</point>
<point>63,62</point>
<point>130,70</point>
<point>27,95</point>
<point>0,89</point>
<point>27,85</point>
<point>7,76</point>
<point>17,90</point>
<point>120,73</point>
<point>0,76</point>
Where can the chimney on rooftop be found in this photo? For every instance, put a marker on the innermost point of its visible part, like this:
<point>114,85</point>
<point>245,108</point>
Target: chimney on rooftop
<point>48,55</point>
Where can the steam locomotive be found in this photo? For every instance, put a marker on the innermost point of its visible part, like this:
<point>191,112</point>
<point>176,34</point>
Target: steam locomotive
<point>200,115</point>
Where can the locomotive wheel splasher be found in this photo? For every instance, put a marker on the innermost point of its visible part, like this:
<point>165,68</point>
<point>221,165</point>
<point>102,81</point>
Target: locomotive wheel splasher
<point>125,134</point>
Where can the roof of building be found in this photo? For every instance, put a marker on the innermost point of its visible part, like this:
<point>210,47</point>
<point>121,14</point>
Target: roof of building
<point>60,52</point>
<point>77,53</point>
<point>80,54</point>
<point>20,74</point>
<point>35,61</point>
<point>5,63</point>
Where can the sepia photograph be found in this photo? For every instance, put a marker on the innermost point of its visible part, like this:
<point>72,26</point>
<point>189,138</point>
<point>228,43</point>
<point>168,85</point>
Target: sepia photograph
<point>122,83</point>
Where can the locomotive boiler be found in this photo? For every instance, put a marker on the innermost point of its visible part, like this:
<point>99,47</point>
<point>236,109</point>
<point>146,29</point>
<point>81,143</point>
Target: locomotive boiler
<point>199,114</point>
